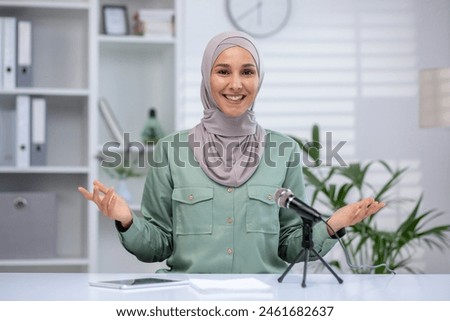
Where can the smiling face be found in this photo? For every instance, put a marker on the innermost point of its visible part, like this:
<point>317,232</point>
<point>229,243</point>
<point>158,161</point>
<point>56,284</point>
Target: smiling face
<point>234,81</point>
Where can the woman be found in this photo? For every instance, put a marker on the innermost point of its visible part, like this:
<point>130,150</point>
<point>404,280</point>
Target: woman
<point>208,204</point>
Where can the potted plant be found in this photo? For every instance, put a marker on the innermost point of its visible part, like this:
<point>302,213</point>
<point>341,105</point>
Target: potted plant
<point>335,186</point>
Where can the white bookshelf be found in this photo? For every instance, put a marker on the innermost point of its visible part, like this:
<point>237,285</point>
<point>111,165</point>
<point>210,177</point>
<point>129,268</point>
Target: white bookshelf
<point>74,64</point>
<point>63,74</point>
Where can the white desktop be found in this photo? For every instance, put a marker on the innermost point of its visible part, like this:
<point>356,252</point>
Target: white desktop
<point>319,287</point>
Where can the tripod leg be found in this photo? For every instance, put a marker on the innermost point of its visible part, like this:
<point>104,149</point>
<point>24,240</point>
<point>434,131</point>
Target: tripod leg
<point>280,279</point>
<point>327,266</point>
<point>305,267</point>
<point>308,245</point>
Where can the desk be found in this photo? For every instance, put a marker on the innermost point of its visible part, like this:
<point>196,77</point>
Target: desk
<point>320,287</point>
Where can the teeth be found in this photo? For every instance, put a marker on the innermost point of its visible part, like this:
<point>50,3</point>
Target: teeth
<point>235,98</point>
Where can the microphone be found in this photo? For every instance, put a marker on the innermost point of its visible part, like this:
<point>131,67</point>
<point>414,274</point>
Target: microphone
<point>286,199</point>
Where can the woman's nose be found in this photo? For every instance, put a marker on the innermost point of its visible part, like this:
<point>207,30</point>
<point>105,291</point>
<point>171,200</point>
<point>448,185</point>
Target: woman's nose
<point>235,82</point>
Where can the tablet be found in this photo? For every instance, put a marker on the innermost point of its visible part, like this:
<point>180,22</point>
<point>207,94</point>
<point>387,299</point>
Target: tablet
<point>138,283</point>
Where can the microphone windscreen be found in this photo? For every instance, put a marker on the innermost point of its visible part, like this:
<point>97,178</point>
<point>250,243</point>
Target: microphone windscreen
<point>282,196</point>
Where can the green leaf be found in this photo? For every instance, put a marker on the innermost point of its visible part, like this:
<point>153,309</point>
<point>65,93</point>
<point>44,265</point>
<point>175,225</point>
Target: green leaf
<point>311,148</point>
<point>355,173</point>
<point>395,178</point>
<point>315,145</point>
<point>342,195</point>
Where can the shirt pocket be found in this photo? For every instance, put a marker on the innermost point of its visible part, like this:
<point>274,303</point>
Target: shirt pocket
<point>193,210</point>
<point>262,210</point>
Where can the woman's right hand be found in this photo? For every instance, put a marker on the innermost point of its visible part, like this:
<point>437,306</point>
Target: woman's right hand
<point>109,203</point>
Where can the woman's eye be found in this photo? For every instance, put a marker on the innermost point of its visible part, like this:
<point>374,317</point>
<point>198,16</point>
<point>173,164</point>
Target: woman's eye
<point>222,72</point>
<point>248,72</point>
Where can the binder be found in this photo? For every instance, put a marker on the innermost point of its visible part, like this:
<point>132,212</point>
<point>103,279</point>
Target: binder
<point>24,54</point>
<point>38,156</point>
<point>9,52</point>
<point>7,137</point>
<point>23,130</point>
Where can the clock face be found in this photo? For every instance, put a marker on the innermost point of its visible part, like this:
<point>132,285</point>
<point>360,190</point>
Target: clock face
<point>259,18</point>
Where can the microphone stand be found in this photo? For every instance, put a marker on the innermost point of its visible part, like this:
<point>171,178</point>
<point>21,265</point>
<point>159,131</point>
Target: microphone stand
<point>307,247</point>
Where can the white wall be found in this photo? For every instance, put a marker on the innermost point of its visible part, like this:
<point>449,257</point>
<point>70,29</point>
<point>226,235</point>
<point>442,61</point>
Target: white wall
<point>352,67</point>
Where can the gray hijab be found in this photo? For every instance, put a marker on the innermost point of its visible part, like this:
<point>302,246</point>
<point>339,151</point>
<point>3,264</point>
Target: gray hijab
<point>228,149</point>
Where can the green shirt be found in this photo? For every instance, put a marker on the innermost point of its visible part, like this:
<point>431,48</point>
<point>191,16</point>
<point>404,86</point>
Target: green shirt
<point>200,226</point>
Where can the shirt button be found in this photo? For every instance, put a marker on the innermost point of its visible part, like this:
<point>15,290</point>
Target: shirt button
<point>269,197</point>
<point>230,189</point>
<point>191,197</point>
<point>230,251</point>
<point>229,220</point>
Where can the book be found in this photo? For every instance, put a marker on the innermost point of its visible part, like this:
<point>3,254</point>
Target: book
<point>157,21</point>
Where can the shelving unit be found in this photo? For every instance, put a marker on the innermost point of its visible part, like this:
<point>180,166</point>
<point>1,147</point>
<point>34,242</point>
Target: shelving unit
<point>74,64</point>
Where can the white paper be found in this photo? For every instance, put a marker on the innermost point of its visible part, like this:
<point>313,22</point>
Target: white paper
<point>227,285</point>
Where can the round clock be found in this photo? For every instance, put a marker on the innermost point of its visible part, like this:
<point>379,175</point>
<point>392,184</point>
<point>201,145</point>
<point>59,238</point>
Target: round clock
<point>259,18</point>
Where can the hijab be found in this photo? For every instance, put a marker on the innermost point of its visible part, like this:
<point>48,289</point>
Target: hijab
<point>227,148</point>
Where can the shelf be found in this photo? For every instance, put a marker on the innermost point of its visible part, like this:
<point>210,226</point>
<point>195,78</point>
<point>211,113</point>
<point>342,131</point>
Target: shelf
<point>64,47</point>
<point>46,92</point>
<point>162,39</point>
<point>46,4</point>
<point>45,170</point>
<point>147,149</point>
<point>45,262</point>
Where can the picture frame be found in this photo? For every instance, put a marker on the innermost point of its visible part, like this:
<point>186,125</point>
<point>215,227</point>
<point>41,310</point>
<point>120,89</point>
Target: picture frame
<point>115,20</point>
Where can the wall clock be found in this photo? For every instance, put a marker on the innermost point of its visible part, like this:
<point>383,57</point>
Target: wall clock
<point>259,18</point>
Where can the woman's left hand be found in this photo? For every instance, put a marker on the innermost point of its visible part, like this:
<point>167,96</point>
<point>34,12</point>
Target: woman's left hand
<point>353,213</point>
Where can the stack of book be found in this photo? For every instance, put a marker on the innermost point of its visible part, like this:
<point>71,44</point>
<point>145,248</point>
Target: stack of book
<point>157,22</point>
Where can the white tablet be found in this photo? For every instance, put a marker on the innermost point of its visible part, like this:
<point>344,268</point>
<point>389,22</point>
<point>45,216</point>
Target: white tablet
<point>138,283</point>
